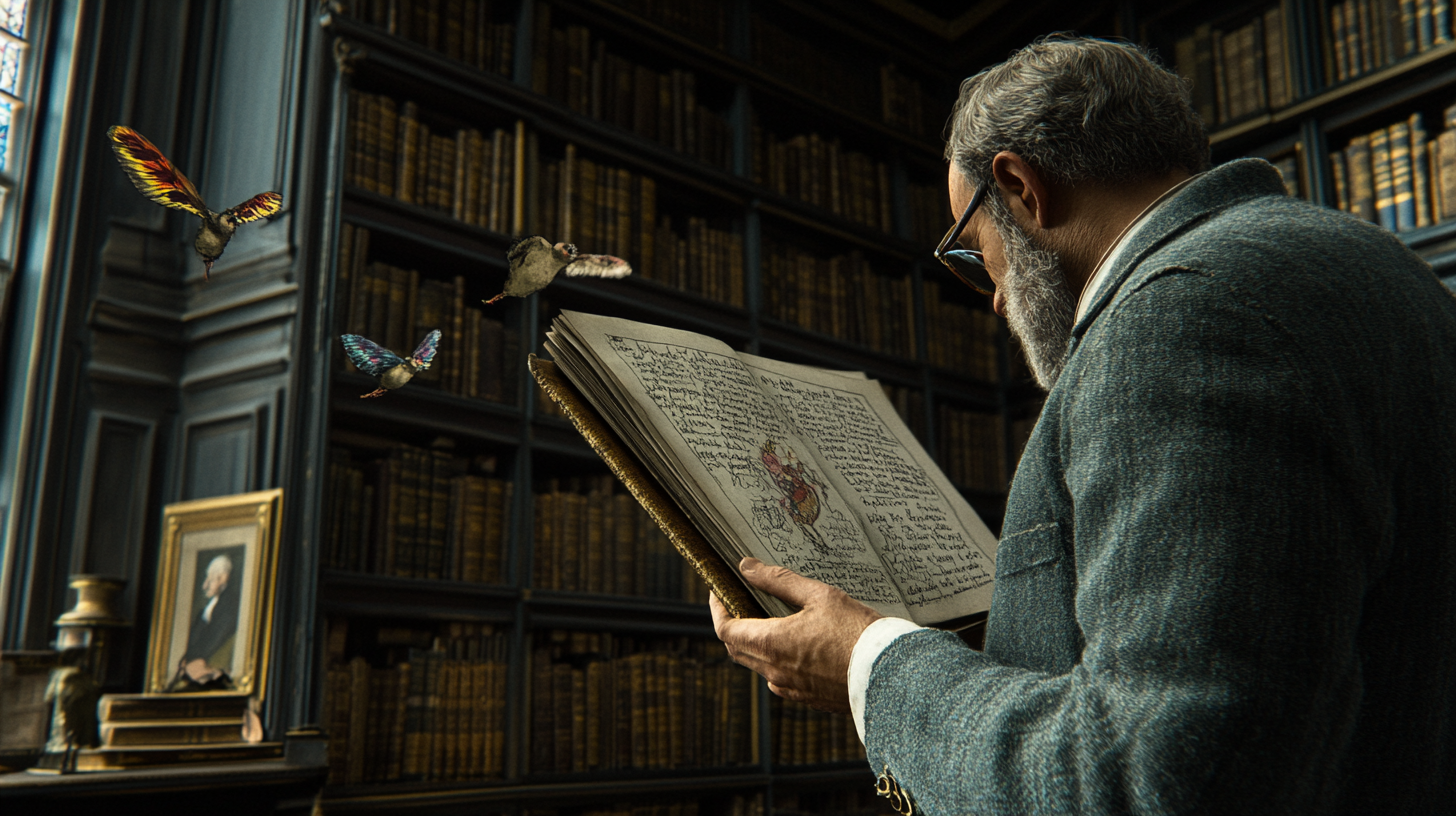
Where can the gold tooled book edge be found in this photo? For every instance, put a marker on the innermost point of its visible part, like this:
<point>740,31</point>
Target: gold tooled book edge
<point>720,577</point>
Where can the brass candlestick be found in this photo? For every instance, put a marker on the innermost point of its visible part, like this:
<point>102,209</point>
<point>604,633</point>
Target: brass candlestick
<point>92,623</point>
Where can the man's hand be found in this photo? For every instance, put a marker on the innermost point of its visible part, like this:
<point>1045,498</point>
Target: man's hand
<point>804,657</point>
<point>198,670</point>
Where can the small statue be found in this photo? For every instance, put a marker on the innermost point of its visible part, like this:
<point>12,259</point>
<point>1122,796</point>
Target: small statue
<point>73,694</point>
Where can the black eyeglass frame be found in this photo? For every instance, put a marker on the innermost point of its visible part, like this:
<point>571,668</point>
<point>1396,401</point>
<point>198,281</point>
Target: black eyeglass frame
<point>968,265</point>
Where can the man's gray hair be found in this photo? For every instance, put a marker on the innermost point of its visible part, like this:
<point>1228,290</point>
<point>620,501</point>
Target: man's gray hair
<point>220,564</point>
<point>1078,110</point>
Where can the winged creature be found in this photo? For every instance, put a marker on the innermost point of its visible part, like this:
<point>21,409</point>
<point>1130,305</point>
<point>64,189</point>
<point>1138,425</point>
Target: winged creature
<point>535,262</point>
<point>389,368</point>
<point>158,179</point>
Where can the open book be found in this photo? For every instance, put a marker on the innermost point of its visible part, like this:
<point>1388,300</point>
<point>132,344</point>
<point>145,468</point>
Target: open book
<point>797,466</point>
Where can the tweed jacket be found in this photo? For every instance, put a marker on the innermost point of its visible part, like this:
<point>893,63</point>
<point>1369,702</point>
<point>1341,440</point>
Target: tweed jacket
<point>1226,581</point>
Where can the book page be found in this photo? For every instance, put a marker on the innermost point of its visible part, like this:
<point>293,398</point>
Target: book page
<point>937,549</point>
<point>726,451</point>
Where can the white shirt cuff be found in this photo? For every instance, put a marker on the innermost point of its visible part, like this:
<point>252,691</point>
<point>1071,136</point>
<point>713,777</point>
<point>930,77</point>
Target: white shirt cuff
<point>872,641</point>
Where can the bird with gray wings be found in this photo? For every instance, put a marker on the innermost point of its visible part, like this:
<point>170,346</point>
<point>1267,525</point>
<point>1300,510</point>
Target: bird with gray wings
<point>535,262</point>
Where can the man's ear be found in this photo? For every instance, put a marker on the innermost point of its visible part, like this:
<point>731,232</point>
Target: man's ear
<point>1023,189</point>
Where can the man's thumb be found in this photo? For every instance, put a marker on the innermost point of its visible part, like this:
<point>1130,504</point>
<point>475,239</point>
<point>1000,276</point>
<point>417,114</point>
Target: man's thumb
<point>780,582</point>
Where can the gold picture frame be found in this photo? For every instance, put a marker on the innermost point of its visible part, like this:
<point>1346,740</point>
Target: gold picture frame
<point>212,549</point>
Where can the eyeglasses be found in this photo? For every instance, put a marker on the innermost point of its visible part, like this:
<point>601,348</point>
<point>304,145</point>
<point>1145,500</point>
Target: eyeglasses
<point>966,264</point>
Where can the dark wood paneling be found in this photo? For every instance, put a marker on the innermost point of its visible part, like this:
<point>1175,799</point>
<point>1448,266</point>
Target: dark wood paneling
<point>220,457</point>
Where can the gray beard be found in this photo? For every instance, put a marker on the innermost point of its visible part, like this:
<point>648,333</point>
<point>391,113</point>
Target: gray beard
<point>1039,304</point>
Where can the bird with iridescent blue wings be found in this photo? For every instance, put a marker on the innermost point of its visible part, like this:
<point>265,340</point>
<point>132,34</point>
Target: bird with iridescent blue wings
<point>389,368</point>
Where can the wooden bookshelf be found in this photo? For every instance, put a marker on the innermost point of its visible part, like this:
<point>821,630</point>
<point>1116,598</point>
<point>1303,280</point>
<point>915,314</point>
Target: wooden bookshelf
<point>185,389</point>
<point>845,226</point>
<point>1332,101</point>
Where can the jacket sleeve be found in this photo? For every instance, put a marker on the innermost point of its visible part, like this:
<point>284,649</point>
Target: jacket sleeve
<point>1219,548</point>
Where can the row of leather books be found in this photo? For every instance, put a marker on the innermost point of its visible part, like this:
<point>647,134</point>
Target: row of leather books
<point>972,451</point>
<point>437,713</point>
<point>960,338</point>
<point>834,76</point>
<point>463,30</point>
<point>705,22</point>
<point>415,513</point>
<point>930,214</point>
<point>574,67</point>
<point>589,538</point>
<point>477,354</point>
<point>1237,71</point>
<point>1397,176</point>
<point>1363,35</point>
<point>904,104</point>
<point>472,176</point>
<point>854,800</point>
<point>604,702</point>
<point>910,405</point>
<point>819,171</point>
<point>841,296</point>
<point>614,211</point>
<point>803,736</point>
<point>716,804</point>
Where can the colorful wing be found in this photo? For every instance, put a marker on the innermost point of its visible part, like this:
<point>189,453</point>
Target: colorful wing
<point>426,352</point>
<point>370,357</point>
<point>598,266</point>
<point>261,205</point>
<point>152,174</point>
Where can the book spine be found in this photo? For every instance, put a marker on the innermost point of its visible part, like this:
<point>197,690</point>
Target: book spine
<point>1420,170</point>
<point>1402,186</point>
<point>1336,46</point>
<point>1275,59</point>
<point>1362,178</point>
<point>1382,168</point>
<point>1409,28</point>
<point>1337,174</point>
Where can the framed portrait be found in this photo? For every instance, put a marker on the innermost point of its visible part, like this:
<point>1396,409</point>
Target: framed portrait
<point>212,626</point>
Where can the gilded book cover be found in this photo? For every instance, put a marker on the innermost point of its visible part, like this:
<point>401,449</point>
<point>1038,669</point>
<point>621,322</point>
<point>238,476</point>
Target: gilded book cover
<point>718,575</point>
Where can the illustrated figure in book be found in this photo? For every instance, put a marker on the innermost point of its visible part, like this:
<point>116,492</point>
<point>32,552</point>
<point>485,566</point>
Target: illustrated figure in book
<point>389,368</point>
<point>158,179</point>
<point>535,262</point>
<point>800,499</point>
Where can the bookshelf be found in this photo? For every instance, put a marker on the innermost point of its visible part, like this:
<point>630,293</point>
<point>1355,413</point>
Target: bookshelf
<point>1338,112</point>
<point>545,649</point>
<point>133,384</point>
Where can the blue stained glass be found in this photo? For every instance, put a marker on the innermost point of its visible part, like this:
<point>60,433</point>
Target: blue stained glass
<point>12,16</point>
<point>4,135</point>
<point>9,66</point>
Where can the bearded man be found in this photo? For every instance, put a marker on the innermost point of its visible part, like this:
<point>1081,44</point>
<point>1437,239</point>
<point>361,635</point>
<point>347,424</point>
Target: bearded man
<point>1224,582</point>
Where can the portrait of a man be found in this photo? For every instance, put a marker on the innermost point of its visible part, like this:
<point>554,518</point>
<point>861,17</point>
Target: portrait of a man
<point>214,621</point>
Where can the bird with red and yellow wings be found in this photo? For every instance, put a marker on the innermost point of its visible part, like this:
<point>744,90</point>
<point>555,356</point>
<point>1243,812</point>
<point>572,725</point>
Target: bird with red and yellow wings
<point>161,181</point>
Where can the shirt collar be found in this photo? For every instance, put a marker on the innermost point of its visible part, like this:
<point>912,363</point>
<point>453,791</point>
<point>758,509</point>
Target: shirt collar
<point>1105,263</point>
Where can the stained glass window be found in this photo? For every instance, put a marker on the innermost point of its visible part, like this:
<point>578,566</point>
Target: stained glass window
<point>12,16</point>
<point>12,54</point>
<point>4,132</point>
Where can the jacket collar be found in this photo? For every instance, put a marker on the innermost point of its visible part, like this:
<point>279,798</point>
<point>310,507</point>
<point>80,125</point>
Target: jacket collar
<point>1215,190</point>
